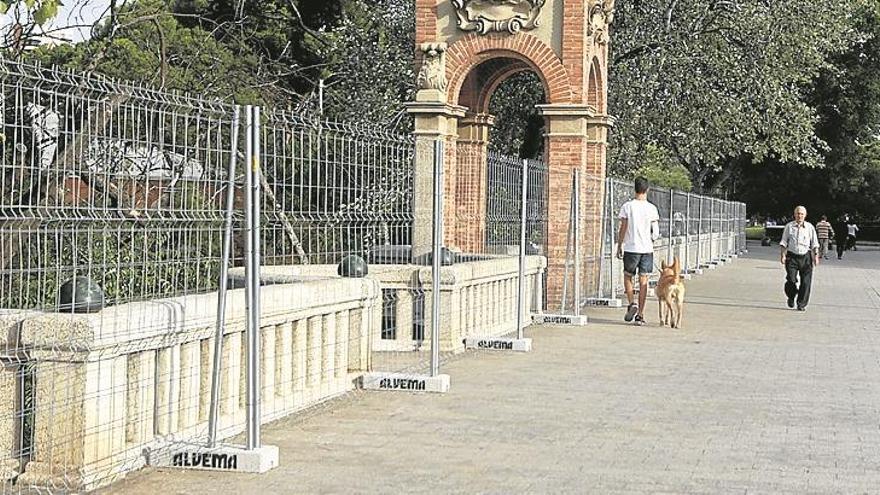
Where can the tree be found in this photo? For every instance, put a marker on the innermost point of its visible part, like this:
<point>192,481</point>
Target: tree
<point>661,169</point>
<point>28,18</point>
<point>846,96</point>
<point>370,63</point>
<point>145,43</point>
<point>518,125</point>
<point>711,82</point>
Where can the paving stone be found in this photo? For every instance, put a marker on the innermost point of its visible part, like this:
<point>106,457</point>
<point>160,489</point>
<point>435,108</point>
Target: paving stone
<point>750,397</point>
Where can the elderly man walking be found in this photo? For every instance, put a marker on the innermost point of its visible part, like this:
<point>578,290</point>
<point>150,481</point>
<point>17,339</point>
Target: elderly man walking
<point>799,255</point>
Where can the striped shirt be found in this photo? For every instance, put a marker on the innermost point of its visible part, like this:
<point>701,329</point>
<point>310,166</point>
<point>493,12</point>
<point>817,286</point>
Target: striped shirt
<point>799,239</point>
<point>824,230</point>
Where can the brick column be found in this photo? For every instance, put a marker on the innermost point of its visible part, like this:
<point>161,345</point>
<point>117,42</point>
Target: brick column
<point>575,141</point>
<point>471,194</point>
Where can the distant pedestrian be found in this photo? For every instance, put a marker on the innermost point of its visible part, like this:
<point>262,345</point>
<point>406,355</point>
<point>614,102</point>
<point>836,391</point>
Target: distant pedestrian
<point>851,231</point>
<point>841,236</point>
<point>825,232</point>
<point>639,226</point>
<point>799,255</point>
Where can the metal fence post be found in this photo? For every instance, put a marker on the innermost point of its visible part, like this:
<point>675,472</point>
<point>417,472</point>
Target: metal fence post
<point>700,233</point>
<point>253,239</point>
<point>435,257</point>
<point>602,251</point>
<point>711,229</point>
<point>520,293</point>
<point>613,245</point>
<point>214,412</point>
<point>577,247</point>
<point>687,232</point>
<point>670,258</point>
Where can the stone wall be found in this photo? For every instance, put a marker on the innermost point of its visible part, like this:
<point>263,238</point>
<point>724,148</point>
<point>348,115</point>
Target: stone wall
<point>113,386</point>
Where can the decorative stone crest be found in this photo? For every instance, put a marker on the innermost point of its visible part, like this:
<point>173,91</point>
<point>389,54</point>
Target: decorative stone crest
<point>485,16</point>
<point>432,73</point>
<point>601,15</point>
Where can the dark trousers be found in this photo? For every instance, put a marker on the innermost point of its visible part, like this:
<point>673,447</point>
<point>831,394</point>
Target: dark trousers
<point>797,265</point>
<point>841,246</point>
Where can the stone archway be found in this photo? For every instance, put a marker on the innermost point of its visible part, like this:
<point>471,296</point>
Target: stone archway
<point>466,48</point>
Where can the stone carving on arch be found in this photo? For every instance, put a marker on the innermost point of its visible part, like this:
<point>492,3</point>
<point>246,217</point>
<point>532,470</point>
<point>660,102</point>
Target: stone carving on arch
<point>472,50</point>
<point>485,16</point>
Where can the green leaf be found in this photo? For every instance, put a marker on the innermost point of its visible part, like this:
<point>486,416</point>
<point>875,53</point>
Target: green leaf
<point>4,7</point>
<point>46,11</point>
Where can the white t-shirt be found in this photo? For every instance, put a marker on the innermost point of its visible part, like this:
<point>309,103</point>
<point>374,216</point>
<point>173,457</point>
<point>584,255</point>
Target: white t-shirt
<point>640,215</point>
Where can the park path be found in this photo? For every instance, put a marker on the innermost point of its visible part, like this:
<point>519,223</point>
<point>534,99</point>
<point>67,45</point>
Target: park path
<point>750,397</point>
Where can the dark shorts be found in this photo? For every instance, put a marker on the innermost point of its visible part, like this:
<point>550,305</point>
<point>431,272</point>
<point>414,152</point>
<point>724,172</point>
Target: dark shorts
<point>643,262</point>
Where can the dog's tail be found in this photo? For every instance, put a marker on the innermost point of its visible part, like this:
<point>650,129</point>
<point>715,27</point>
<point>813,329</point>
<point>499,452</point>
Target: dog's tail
<point>676,267</point>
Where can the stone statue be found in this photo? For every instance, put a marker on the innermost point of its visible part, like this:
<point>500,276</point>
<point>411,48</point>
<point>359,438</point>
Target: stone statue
<point>601,15</point>
<point>432,74</point>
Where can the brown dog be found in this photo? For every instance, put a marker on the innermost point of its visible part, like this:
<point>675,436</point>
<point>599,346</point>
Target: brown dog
<point>670,293</point>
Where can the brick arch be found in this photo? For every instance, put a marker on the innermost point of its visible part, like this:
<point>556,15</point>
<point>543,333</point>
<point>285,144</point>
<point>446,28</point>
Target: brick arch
<point>470,51</point>
<point>596,86</point>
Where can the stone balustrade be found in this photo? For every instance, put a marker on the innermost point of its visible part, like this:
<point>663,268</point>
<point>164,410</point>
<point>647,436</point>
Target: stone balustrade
<point>109,387</point>
<point>478,298</point>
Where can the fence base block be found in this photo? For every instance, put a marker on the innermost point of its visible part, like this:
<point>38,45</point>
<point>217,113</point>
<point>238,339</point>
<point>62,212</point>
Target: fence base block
<point>686,276</point>
<point>604,302</point>
<point>710,265</point>
<point>226,458</point>
<point>404,382</point>
<point>489,344</point>
<point>551,319</point>
<point>695,271</point>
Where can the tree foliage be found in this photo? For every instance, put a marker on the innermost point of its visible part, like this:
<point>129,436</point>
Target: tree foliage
<point>846,96</point>
<point>518,125</point>
<point>714,81</point>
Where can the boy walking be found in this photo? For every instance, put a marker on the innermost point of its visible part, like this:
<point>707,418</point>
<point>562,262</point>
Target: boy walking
<point>639,226</point>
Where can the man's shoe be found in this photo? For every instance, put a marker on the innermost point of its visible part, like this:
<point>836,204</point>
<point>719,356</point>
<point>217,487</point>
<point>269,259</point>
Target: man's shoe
<point>631,311</point>
<point>802,308</point>
<point>791,301</point>
<point>639,320</point>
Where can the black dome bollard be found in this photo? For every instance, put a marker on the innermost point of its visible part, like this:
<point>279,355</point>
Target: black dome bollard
<point>352,266</point>
<point>447,258</point>
<point>80,295</point>
<point>765,241</point>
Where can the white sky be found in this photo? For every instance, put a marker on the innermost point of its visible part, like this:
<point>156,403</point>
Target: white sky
<point>71,13</point>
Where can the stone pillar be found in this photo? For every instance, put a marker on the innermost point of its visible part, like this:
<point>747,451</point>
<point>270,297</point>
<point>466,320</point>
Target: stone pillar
<point>79,422</point>
<point>471,192</point>
<point>576,139</point>
<point>10,424</point>
<point>435,119</point>
<point>593,206</point>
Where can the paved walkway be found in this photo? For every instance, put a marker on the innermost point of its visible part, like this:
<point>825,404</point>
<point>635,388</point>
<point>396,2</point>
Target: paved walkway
<point>750,397</point>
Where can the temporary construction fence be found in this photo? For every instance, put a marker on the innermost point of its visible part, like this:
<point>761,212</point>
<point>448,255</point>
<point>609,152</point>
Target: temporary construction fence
<point>701,231</point>
<point>171,267</point>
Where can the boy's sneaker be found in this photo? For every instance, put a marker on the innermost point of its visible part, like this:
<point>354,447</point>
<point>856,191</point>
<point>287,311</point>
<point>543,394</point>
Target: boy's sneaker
<point>631,311</point>
<point>639,321</point>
